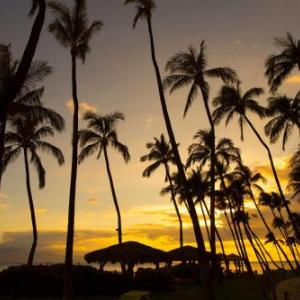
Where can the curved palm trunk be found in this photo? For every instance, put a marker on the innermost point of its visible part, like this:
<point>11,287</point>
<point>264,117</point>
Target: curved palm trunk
<point>113,191</point>
<point>286,235</point>
<point>270,231</point>
<point>68,280</point>
<point>175,206</point>
<point>32,211</point>
<point>193,214</point>
<point>279,257</point>
<point>205,221</point>
<point>220,240</point>
<point>285,203</point>
<point>212,181</point>
<point>18,80</point>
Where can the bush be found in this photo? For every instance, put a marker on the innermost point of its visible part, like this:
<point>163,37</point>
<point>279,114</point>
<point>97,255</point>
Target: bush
<point>185,271</point>
<point>48,281</point>
<point>154,280</point>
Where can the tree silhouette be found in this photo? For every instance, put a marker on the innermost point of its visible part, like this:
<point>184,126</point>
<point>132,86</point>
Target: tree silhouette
<point>13,86</point>
<point>279,66</point>
<point>231,102</point>
<point>294,176</point>
<point>9,67</point>
<point>72,30</point>
<point>285,114</point>
<point>28,136</point>
<point>190,69</point>
<point>101,133</point>
<point>161,154</point>
<point>144,10</point>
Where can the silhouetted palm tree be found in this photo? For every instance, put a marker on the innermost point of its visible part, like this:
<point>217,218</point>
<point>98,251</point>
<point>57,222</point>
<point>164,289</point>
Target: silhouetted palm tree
<point>190,68</point>
<point>285,114</point>
<point>28,136</point>
<point>14,85</point>
<point>161,154</point>
<point>144,10</point>
<point>101,133</point>
<point>231,102</point>
<point>72,30</point>
<point>279,66</point>
<point>28,93</point>
<point>294,176</point>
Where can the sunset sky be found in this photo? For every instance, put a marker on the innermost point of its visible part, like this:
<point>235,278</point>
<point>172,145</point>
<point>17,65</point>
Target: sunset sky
<point>118,75</point>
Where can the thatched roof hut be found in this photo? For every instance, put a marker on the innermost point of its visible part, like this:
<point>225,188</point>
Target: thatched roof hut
<point>186,253</point>
<point>127,253</point>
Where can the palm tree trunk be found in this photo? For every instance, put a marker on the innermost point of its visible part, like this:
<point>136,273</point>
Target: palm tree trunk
<point>285,203</point>
<point>279,257</point>
<point>193,214</point>
<point>32,211</point>
<point>68,280</point>
<point>220,240</point>
<point>113,191</point>
<point>175,206</point>
<point>212,180</point>
<point>264,221</point>
<point>17,82</point>
<point>205,221</point>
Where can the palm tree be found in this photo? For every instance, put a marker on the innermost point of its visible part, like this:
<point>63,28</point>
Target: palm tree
<point>285,113</point>
<point>28,136</point>
<point>294,176</point>
<point>144,10</point>
<point>73,31</point>
<point>9,67</point>
<point>101,133</point>
<point>231,102</point>
<point>161,154</point>
<point>15,84</point>
<point>279,66</point>
<point>190,68</point>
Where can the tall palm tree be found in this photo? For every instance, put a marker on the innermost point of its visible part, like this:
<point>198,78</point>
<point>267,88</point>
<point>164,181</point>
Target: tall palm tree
<point>14,85</point>
<point>161,154</point>
<point>28,136</point>
<point>72,30</point>
<point>144,10</point>
<point>294,176</point>
<point>285,114</point>
<point>279,66</point>
<point>231,102</point>
<point>101,133</point>
<point>9,67</point>
<point>190,68</point>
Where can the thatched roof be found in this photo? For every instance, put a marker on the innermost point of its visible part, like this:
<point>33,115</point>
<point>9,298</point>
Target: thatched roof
<point>128,252</point>
<point>184,253</point>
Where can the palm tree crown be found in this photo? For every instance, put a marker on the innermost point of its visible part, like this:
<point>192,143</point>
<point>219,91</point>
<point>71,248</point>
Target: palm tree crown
<point>294,182</point>
<point>231,102</point>
<point>28,134</point>
<point>279,66</point>
<point>200,152</point>
<point>190,68</point>
<point>160,152</point>
<point>101,133</point>
<point>71,27</point>
<point>285,113</point>
<point>144,9</point>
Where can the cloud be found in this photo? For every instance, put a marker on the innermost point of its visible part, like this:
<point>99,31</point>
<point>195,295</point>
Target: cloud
<point>83,107</point>
<point>92,201</point>
<point>41,210</point>
<point>237,43</point>
<point>293,79</point>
